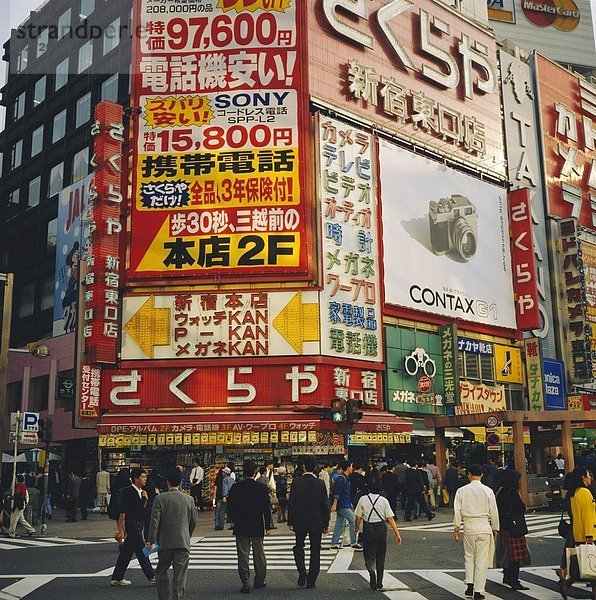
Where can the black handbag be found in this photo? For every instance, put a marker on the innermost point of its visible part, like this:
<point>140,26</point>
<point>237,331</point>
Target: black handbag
<point>517,526</point>
<point>564,528</point>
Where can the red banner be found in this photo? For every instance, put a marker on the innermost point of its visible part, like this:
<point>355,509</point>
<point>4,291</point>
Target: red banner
<point>90,385</point>
<point>102,281</point>
<point>126,390</point>
<point>568,106</point>
<point>523,261</point>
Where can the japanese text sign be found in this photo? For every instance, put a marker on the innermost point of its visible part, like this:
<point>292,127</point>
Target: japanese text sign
<point>90,390</point>
<point>448,334</point>
<point>218,156</point>
<point>417,70</point>
<point>568,106</point>
<point>525,286</point>
<point>220,325</point>
<point>480,398</point>
<point>241,387</point>
<point>102,281</point>
<point>578,331</point>
<point>534,377</point>
<point>351,296</point>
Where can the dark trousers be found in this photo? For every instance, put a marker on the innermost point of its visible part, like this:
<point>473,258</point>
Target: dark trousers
<point>401,493</point>
<point>412,499</point>
<point>314,563</point>
<point>375,549</point>
<point>511,573</point>
<point>83,504</point>
<point>71,508</point>
<point>133,545</point>
<point>196,491</point>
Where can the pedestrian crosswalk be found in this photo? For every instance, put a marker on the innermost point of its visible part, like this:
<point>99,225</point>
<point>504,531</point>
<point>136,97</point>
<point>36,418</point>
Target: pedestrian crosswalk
<point>21,543</point>
<point>539,526</point>
<point>219,553</point>
<point>445,585</point>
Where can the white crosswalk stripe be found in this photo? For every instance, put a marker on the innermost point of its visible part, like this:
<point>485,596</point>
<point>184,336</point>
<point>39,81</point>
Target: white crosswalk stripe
<point>21,543</point>
<point>539,526</point>
<point>219,553</point>
<point>425,584</point>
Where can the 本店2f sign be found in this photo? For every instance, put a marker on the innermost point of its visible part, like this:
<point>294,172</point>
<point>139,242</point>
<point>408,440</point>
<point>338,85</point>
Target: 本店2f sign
<point>219,161</point>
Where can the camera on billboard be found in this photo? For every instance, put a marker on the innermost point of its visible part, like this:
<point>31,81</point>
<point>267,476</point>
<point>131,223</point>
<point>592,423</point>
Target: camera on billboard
<point>453,226</point>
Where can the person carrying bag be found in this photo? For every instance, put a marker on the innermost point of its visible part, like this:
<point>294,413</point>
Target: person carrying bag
<point>374,510</point>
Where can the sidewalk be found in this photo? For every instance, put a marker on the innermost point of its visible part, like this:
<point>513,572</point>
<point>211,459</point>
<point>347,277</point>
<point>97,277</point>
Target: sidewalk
<point>100,525</point>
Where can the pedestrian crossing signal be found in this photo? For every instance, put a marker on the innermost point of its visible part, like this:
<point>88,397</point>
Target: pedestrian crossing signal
<point>353,414</point>
<point>337,410</point>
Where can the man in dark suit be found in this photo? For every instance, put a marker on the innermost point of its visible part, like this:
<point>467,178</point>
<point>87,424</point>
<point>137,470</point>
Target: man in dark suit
<point>391,487</point>
<point>132,501</point>
<point>415,488</point>
<point>72,497</point>
<point>173,520</point>
<point>308,514</point>
<point>250,511</point>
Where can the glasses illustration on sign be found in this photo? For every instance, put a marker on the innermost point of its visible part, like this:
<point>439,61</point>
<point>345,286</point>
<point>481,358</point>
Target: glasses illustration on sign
<point>419,359</point>
<point>453,226</point>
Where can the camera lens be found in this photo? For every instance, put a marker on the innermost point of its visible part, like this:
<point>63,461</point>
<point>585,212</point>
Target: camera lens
<point>464,239</point>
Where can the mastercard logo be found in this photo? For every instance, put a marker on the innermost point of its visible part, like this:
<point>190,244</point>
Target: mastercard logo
<point>561,14</point>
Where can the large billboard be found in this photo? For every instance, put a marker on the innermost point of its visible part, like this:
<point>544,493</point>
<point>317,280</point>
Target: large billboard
<point>74,243</point>
<point>420,71</point>
<point>560,29</point>
<point>219,157</point>
<point>446,240</point>
<point>568,109</point>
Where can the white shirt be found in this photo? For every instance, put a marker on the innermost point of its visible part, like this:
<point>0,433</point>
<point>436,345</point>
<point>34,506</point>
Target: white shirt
<point>560,462</point>
<point>139,491</point>
<point>324,476</point>
<point>475,506</point>
<point>197,473</point>
<point>364,508</point>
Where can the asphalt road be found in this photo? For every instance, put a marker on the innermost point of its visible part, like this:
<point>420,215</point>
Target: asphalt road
<point>75,561</point>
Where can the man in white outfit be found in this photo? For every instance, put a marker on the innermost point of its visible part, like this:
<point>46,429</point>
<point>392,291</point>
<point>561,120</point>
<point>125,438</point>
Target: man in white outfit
<point>476,509</point>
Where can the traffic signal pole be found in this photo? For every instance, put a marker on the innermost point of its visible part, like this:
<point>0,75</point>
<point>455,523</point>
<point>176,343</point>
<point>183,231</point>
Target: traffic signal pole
<point>8,280</point>
<point>46,476</point>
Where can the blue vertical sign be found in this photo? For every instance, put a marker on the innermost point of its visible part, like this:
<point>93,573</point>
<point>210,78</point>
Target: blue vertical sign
<point>554,385</point>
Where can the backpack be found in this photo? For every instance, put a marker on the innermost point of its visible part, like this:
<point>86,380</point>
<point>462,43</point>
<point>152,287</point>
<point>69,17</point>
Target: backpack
<point>114,505</point>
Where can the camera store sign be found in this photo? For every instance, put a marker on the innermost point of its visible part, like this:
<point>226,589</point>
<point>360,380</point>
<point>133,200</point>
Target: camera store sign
<point>420,69</point>
<point>568,106</point>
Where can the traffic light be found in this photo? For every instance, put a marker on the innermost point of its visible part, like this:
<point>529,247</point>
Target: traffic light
<point>45,430</point>
<point>353,414</point>
<point>337,410</point>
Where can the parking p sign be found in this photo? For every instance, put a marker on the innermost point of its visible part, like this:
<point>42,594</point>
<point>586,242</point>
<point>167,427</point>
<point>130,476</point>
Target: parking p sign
<point>30,422</point>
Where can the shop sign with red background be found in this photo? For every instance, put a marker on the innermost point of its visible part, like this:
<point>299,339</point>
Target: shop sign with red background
<point>417,70</point>
<point>259,386</point>
<point>525,287</point>
<point>219,152</point>
<point>568,108</point>
<point>102,281</point>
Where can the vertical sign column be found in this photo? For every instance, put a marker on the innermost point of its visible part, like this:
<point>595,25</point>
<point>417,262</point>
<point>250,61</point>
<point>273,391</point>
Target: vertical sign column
<point>351,296</point>
<point>578,330</point>
<point>450,351</point>
<point>218,187</point>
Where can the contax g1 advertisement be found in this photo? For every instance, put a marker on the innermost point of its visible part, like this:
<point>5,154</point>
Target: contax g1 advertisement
<point>446,240</point>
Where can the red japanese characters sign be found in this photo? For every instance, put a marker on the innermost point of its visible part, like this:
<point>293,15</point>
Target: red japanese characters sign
<point>102,281</point>
<point>568,106</point>
<point>240,387</point>
<point>89,392</point>
<point>480,398</point>
<point>219,156</point>
<point>523,261</point>
<point>418,70</point>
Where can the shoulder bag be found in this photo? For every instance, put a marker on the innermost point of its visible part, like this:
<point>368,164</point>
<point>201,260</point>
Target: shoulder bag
<point>564,528</point>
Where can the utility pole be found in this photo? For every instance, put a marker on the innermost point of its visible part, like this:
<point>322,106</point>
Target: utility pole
<point>8,280</point>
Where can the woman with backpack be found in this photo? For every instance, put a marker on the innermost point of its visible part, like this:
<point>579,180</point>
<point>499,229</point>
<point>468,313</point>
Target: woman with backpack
<point>374,510</point>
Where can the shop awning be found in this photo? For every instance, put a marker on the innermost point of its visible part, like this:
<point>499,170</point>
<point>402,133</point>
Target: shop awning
<point>420,430</point>
<point>180,422</point>
<point>241,421</point>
